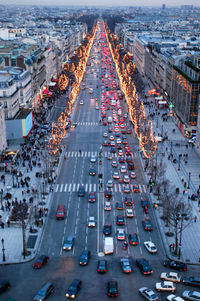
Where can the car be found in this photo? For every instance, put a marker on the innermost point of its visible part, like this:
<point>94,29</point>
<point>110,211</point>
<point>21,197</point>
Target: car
<point>114,164</point>
<point>121,234</point>
<point>119,141</point>
<point>107,206</point>
<point>81,191</point>
<point>109,184</point>
<point>105,122</point>
<point>4,285</point>
<point>127,188</point>
<point>123,169</point>
<point>192,140</point>
<point>192,281</point>
<point>136,188</point>
<point>69,243</point>
<point>191,295</point>
<point>125,142</point>
<point>108,193</point>
<point>148,294</point>
<point>120,152</point>
<point>107,229</point>
<point>133,239</point>
<point>146,209</point>
<point>128,131</point>
<point>73,289</point>
<point>171,276</point>
<point>144,202</point>
<point>113,149</point>
<point>128,201</point>
<point>92,172</point>
<point>119,146</point>
<point>112,138</point>
<point>176,265</point>
<point>128,159</point>
<point>129,213</point>
<point>132,175</point>
<point>105,135</point>
<point>121,160</point>
<point>125,265</point>
<point>117,134</point>
<point>126,179</point>
<point>102,266</point>
<point>45,291</point>
<point>93,159</point>
<point>110,130</point>
<point>81,102</point>
<point>116,175</point>
<point>150,246</point>
<point>147,225</point>
<point>166,286</point>
<point>144,266</point>
<point>97,107</point>
<point>109,156</point>
<point>112,288</point>
<point>106,143</point>
<point>120,220</point>
<point>119,206</point>
<point>91,222</point>
<point>40,261</point>
<point>173,297</point>
<point>84,259</point>
<point>131,166</point>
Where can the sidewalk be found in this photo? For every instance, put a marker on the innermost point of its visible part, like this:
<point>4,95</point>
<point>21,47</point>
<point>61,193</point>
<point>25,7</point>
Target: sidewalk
<point>188,174</point>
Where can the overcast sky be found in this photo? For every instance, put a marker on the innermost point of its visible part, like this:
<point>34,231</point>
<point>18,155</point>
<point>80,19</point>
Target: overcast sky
<point>104,2</point>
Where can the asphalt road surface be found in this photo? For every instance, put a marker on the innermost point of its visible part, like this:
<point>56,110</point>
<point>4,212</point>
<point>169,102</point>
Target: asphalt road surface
<point>63,266</point>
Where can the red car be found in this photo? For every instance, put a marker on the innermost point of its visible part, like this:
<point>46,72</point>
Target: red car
<point>42,260</point>
<point>128,131</point>
<point>92,197</point>
<point>128,201</point>
<point>105,122</point>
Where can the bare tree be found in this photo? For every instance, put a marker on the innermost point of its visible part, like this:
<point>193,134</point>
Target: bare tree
<point>179,215</point>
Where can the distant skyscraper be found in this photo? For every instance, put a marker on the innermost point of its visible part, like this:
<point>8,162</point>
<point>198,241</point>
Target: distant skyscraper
<point>163,6</point>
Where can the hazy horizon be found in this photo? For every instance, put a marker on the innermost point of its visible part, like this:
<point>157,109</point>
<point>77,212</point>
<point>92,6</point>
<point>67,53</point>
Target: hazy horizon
<point>107,3</point>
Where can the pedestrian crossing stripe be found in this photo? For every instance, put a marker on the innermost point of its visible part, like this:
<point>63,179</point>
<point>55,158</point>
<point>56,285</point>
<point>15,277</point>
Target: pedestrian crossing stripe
<point>71,154</point>
<point>87,123</point>
<point>92,187</point>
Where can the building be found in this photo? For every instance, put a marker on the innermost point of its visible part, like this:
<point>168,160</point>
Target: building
<point>3,141</point>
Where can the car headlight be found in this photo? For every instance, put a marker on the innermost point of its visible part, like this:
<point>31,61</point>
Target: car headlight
<point>73,296</point>
<point>67,295</point>
<point>69,248</point>
<point>64,248</point>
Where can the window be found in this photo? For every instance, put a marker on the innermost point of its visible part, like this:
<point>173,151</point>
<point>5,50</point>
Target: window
<point>5,105</point>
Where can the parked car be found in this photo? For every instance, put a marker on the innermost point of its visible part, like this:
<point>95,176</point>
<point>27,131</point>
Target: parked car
<point>148,294</point>
<point>173,297</point>
<point>4,285</point>
<point>171,276</point>
<point>176,265</point>
<point>45,291</point>
<point>192,281</point>
<point>191,295</point>
<point>167,286</point>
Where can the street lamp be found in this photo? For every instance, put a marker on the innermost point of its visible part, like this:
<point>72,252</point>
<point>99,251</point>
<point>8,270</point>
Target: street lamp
<point>1,196</point>
<point>3,250</point>
<point>189,180</point>
<point>179,160</point>
<point>183,216</point>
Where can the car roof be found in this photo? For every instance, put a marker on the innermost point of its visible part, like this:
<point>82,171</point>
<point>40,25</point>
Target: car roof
<point>151,244</point>
<point>173,273</point>
<point>168,282</point>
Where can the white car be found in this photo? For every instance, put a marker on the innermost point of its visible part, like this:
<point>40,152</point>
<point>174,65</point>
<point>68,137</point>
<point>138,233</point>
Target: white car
<point>112,138</point>
<point>93,159</point>
<point>149,245</point>
<point>148,294</point>
<point>91,222</point>
<point>171,276</point>
<point>116,175</point>
<point>129,213</point>
<point>97,107</point>
<point>126,179</point>
<point>109,184</point>
<point>174,298</point>
<point>105,135</point>
<point>132,175</point>
<point>119,141</point>
<point>121,234</point>
<point>123,169</point>
<point>81,102</point>
<point>107,206</point>
<point>167,286</point>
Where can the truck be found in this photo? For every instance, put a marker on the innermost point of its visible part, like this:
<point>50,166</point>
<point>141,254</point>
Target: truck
<point>108,245</point>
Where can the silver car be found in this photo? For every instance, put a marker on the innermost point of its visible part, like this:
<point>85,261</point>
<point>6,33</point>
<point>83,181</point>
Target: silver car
<point>191,295</point>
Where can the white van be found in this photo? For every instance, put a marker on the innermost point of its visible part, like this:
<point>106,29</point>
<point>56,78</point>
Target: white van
<point>110,119</point>
<point>113,102</point>
<point>108,245</point>
<point>91,90</point>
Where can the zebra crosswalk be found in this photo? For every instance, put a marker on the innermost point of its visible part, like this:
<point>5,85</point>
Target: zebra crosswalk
<point>70,154</point>
<point>72,187</point>
<point>88,123</point>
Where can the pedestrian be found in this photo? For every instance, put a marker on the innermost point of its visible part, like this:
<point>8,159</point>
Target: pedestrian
<point>8,223</point>
<point>195,218</point>
<point>170,247</point>
<point>183,192</point>
<point>2,225</point>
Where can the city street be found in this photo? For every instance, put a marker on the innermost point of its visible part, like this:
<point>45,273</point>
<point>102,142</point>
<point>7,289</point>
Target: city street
<point>81,144</point>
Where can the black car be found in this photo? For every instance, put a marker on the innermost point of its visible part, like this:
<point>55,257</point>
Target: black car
<point>107,229</point>
<point>73,289</point>
<point>112,288</point>
<point>92,172</point>
<point>81,190</point>
<point>84,259</point>
<point>192,281</point>
<point>108,193</point>
<point>102,266</point>
<point>131,166</point>
<point>144,266</point>
<point>133,239</point>
<point>120,220</point>
<point>4,285</point>
<point>144,202</point>
<point>176,265</point>
<point>147,225</point>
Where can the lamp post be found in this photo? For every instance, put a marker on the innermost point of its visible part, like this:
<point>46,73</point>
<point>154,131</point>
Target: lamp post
<point>183,216</point>
<point>3,250</point>
<point>189,180</point>
<point>179,161</point>
<point>1,196</point>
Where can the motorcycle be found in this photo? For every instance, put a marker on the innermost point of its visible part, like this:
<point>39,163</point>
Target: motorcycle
<point>125,246</point>
<point>100,162</point>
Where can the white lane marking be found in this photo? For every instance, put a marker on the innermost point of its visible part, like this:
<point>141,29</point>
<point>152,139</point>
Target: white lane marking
<point>95,187</point>
<point>70,186</point>
<point>74,187</point>
<point>86,187</point>
<point>56,190</point>
<point>61,187</point>
<point>65,189</point>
